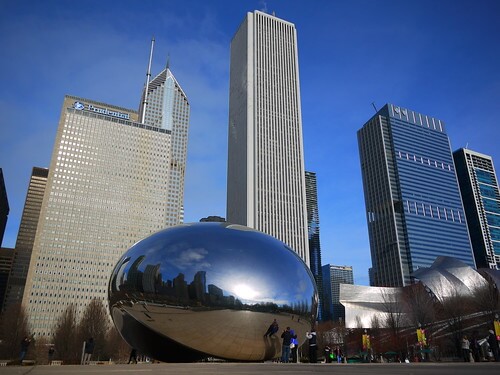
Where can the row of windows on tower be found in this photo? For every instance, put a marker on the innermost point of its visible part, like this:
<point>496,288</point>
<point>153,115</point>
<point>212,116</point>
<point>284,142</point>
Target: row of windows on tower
<point>423,160</point>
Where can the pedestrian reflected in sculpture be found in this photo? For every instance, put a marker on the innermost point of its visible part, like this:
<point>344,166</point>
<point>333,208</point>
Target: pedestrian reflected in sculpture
<point>273,328</point>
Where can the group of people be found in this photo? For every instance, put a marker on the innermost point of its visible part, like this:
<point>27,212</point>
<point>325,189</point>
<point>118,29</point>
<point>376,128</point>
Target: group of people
<point>290,343</point>
<point>471,350</point>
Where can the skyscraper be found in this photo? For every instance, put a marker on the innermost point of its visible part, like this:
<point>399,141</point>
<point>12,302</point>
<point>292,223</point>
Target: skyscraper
<point>26,236</point>
<point>313,231</point>
<point>4,206</point>
<point>333,276</point>
<point>168,109</point>
<point>265,183</point>
<point>109,185</point>
<point>6,256</point>
<point>413,204</point>
<point>481,198</point>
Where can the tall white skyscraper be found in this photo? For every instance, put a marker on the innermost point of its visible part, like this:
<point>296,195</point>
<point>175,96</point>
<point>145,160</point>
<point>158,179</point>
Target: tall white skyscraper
<point>112,181</point>
<point>266,183</point>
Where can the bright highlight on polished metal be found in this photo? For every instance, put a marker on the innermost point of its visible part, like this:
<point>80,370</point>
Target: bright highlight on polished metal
<point>210,290</point>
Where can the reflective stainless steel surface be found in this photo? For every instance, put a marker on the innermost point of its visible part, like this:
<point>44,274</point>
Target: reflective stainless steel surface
<point>448,276</point>
<point>210,289</point>
<point>445,278</point>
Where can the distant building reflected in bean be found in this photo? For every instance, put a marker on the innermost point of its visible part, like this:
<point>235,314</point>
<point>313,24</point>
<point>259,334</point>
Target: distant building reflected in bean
<point>210,290</point>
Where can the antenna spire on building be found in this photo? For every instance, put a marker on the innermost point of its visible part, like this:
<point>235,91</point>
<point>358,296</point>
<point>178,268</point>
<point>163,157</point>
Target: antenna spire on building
<point>168,61</point>
<point>148,78</point>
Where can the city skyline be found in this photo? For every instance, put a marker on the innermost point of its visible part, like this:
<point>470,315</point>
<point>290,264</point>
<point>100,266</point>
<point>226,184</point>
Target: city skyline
<point>440,61</point>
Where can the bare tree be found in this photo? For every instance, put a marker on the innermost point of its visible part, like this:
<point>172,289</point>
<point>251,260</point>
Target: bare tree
<point>13,328</point>
<point>357,322</point>
<point>375,333</point>
<point>394,307</point>
<point>420,305</point>
<point>40,350</point>
<point>487,299</point>
<point>116,347</point>
<point>95,324</point>
<point>66,337</point>
<point>453,310</point>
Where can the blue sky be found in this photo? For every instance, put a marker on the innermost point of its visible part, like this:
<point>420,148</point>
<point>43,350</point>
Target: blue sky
<point>440,58</point>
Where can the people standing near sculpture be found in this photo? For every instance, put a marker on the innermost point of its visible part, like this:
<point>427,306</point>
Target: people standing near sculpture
<point>313,347</point>
<point>493,343</point>
<point>273,328</point>
<point>88,350</point>
<point>294,346</point>
<point>285,348</point>
<point>328,352</point>
<point>465,349</point>
<point>475,347</point>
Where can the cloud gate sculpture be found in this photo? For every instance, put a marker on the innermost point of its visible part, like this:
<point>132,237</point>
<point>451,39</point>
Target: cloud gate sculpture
<point>210,290</point>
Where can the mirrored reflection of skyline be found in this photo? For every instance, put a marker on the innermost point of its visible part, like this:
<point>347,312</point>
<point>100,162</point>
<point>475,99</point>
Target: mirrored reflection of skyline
<point>148,285</point>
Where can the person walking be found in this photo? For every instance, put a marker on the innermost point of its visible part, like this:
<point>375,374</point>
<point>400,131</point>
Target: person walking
<point>493,343</point>
<point>474,347</point>
<point>25,343</point>
<point>465,348</point>
<point>328,352</point>
<point>338,354</point>
<point>51,354</point>
<point>285,348</point>
<point>133,356</point>
<point>313,347</point>
<point>88,350</point>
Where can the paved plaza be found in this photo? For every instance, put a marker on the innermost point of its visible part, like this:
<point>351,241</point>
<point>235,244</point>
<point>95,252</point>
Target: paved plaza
<point>489,368</point>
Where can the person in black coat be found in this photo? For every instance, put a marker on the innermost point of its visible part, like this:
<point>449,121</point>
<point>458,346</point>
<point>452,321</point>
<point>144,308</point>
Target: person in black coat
<point>313,346</point>
<point>88,350</point>
<point>287,340</point>
<point>493,343</point>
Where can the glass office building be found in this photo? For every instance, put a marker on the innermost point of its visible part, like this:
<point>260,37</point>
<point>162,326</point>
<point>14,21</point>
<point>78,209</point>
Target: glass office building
<point>333,276</point>
<point>481,198</point>
<point>413,204</point>
<point>313,230</point>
